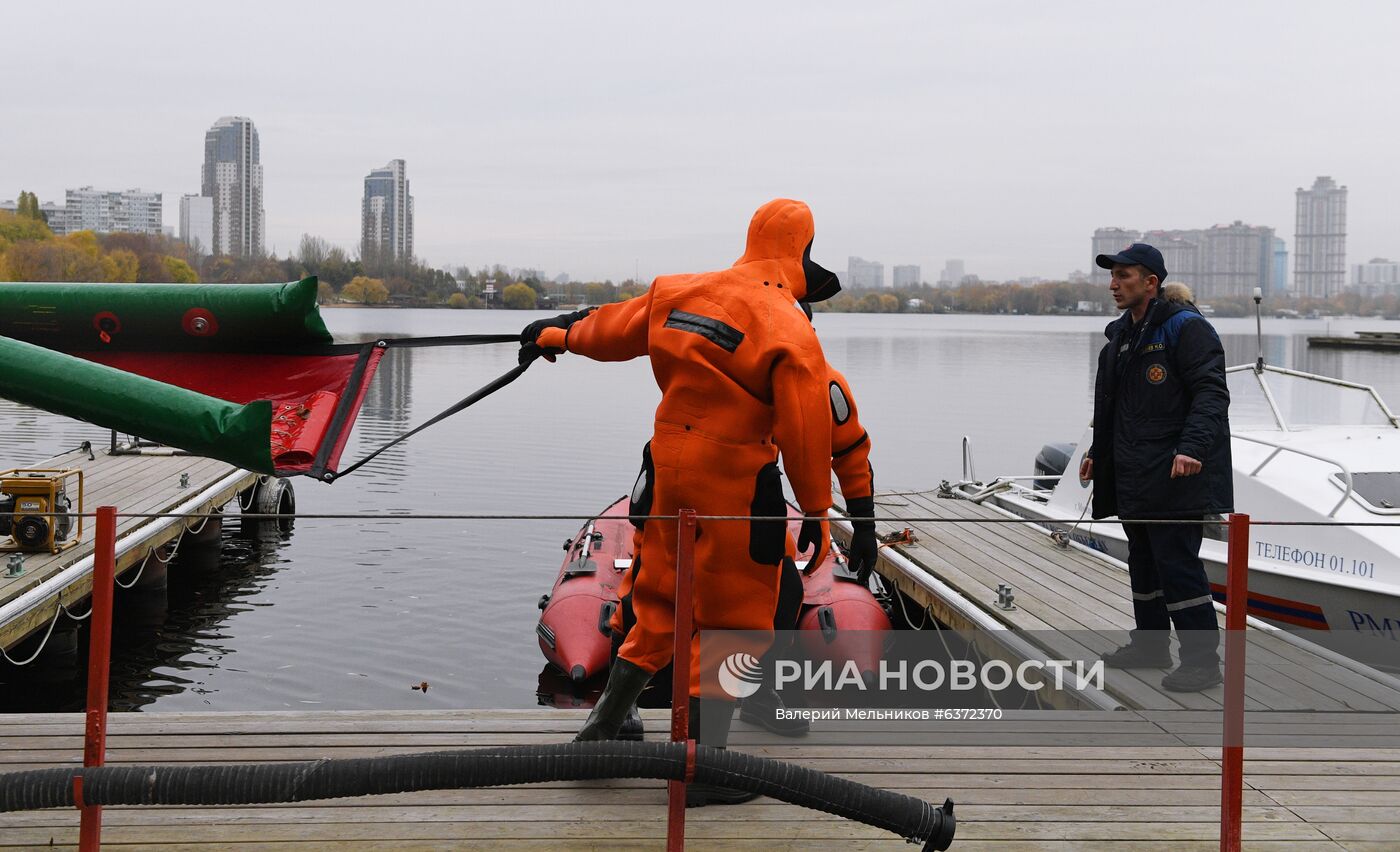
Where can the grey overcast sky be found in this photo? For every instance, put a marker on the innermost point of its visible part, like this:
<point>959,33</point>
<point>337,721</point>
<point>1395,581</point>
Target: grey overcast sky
<point>607,138</point>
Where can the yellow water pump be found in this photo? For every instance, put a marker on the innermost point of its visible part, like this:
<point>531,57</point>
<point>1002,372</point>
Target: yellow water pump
<point>34,510</point>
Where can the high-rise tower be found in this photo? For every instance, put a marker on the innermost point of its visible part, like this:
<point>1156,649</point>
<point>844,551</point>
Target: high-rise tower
<point>386,215</point>
<point>233,177</point>
<point>1320,239</point>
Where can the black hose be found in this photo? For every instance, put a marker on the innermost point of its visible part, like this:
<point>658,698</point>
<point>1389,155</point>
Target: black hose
<point>257,783</point>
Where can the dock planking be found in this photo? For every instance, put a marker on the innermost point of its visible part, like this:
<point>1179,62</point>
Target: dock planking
<point>1075,605</point>
<point>139,484</point>
<point>1047,796</point>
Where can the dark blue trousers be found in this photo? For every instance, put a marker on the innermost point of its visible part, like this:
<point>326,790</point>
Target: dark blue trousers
<point>1170,588</point>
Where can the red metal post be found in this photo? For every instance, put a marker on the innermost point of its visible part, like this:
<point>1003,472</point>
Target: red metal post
<point>680,678</point>
<point>104,569</point>
<point>1232,740</point>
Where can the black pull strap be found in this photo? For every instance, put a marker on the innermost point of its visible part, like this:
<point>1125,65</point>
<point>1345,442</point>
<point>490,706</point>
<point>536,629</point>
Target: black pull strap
<point>450,340</point>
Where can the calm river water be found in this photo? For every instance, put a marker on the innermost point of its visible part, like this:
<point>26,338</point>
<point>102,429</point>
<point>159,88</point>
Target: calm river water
<point>349,614</point>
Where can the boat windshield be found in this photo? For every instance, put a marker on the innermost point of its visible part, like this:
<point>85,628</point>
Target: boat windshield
<point>1300,400</point>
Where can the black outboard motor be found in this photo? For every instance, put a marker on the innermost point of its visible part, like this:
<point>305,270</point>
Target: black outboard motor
<point>1051,461</point>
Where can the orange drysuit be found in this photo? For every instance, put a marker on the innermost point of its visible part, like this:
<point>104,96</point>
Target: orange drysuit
<point>740,372</point>
<point>850,461</point>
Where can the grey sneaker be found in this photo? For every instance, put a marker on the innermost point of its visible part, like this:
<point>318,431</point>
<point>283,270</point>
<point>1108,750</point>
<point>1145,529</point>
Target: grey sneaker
<point>1132,656</point>
<point>1192,678</point>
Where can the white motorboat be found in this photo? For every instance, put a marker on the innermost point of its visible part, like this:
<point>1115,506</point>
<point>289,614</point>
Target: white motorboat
<point>1306,448</point>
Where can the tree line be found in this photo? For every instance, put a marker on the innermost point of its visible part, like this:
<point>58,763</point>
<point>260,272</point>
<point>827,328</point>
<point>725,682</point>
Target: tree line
<point>29,251</point>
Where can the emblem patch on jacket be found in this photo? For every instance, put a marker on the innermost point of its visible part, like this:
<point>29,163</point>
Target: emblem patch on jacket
<point>1156,374</point>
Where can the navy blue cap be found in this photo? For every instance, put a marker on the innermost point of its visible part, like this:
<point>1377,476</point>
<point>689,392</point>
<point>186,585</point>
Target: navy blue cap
<point>1137,254</point>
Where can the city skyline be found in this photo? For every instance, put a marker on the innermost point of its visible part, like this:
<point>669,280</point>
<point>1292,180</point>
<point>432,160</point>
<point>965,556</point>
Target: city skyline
<point>933,133</point>
<point>1221,260</point>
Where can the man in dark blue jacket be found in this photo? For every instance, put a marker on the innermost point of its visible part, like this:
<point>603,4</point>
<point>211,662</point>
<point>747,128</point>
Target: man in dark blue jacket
<point>1161,451</point>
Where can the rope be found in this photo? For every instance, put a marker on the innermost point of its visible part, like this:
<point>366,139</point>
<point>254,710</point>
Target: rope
<point>1062,537</point>
<point>982,661</point>
<point>192,530</point>
<point>134,580</point>
<point>252,495</point>
<point>42,642</point>
<point>84,617</point>
<point>907,620</point>
<point>153,553</point>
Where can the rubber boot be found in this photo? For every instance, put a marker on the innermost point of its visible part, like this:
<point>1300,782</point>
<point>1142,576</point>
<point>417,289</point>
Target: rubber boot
<point>625,682</point>
<point>632,727</point>
<point>709,726</point>
<point>765,709</point>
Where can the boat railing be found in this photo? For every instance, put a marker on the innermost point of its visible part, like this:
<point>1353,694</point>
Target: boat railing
<point>1283,448</point>
<point>1259,371</point>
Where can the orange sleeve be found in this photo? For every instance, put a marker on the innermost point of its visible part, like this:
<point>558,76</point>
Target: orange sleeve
<point>614,332</point>
<point>802,426</point>
<point>850,443</point>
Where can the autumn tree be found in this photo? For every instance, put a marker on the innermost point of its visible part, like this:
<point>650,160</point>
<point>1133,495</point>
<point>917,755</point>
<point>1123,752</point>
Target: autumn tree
<point>75,257</point>
<point>27,207</point>
<point>519,297</point>
<point>367,291</point>
<point>14,228</point>
<point>178,271</point>
<point>121,266</point>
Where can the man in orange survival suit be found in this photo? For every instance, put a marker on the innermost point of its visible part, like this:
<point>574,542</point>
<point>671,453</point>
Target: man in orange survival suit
<point>850,460</point>
<point>737,362</point>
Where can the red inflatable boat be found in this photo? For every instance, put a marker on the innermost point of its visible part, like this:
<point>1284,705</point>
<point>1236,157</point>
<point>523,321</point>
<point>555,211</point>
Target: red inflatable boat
<point>840,619</point>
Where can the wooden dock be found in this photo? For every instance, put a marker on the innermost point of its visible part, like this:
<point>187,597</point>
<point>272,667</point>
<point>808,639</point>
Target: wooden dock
<point>1075,605</point>
<point>1322,764</point>
<point>132,483</point>
<point>1072,789</point>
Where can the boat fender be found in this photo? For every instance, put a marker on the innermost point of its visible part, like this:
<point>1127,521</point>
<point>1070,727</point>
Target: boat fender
<point>274,497</point>
<point>544,601</point>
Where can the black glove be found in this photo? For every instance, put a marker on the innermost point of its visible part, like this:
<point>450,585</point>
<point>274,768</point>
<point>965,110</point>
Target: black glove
<point>816,534</point>
<point>865,549</point>
<point>530,350</point>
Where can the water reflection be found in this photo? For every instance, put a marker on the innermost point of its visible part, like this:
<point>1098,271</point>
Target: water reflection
<point>162,644</point>
<point>387,413</point>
